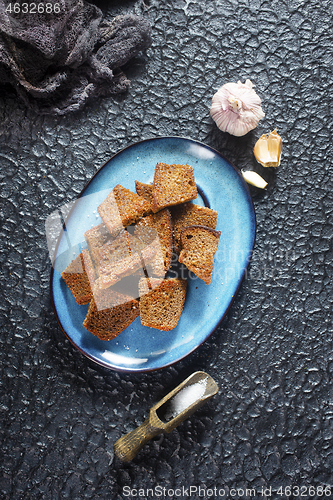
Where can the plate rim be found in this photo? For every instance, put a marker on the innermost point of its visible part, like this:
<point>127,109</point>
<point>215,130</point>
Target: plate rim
<point>171,363</point>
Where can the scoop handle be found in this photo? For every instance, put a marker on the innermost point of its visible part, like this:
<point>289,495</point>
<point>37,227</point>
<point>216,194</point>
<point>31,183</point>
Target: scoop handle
<point>129,445</point>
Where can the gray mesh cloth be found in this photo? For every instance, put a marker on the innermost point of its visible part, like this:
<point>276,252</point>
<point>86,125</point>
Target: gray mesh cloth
<point>58,60</point>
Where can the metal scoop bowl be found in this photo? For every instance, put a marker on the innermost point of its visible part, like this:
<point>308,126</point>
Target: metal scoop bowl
<point>159,421</point>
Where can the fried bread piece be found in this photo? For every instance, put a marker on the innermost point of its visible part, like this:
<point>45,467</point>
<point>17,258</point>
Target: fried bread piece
<point>162,305</point>
<point>198,247</point>
<point>113,251</point>
<point>114,313</point>
<point>144,190</point>
<point>122,257</point>
<point>121,208</point>
<point>80,276</point>
<point>173,184</point>
<point>96,237</point>
<point>159,226</point>
<point>190,214</point>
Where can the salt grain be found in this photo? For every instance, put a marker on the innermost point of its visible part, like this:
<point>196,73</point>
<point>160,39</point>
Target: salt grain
<point>185,397</point>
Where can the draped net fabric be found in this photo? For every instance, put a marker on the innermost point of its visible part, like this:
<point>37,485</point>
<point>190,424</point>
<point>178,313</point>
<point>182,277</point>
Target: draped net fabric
<point>57,60</point>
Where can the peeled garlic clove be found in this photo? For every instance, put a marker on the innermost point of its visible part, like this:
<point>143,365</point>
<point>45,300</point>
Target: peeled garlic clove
<point>236,108</point>
<point>267,150</point>
<point>254,179</point>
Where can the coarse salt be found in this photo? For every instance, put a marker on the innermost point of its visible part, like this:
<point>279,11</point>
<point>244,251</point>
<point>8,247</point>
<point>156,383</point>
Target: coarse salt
<point>185,397</point>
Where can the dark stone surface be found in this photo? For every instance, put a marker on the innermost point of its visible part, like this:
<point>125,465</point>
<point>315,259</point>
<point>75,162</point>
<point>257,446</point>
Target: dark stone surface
<point>271,424</point>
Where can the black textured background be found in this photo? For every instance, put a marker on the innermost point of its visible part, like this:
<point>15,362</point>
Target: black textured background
<point>271,424</point>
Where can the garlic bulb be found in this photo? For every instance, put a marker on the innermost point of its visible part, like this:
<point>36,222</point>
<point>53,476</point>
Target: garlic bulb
<point>236,108</point>
<point>267,150</point>
<point>254,179</point>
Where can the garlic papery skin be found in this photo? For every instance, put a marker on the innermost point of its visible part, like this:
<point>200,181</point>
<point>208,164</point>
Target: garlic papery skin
<point>267,150</point>
<point>236,108</point>
<point>254,179</point>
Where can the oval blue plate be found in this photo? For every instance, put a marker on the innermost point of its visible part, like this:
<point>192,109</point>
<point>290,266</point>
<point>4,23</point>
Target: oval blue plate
<point>139,348</point>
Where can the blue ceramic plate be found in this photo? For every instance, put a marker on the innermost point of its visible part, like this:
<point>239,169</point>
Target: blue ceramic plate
<point>139,348</point>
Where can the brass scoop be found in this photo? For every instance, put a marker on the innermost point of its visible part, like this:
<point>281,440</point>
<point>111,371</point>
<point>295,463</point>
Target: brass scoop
<point>165,415</point>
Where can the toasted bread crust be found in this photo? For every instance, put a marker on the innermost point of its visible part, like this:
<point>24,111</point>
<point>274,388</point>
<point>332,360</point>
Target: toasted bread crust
<point>109,321</point>
<point>123,257</point>
<point>79,275</point>
<point>198,247</point>
<point>198,227</point>
<point>173,184</point>
<point>161,225</point>
<point>190,214</point>
<point>96,237</point>
<point>145,190</point>
<point>161,307</point>
<point>121,208</point>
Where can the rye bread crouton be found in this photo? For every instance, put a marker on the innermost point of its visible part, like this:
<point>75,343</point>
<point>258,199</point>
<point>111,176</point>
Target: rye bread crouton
<point>113,251</point>
<point>146,240</point>
<point>161,306</point>
<point>80,276</point>
<point>96,237</point>
<point>121,208</point>
<point>144,190</point>
<point>198,247</point>
<point>173,184</point>
<point>157,227</point>
<point>190,214</point>
<point>123,256</point>
<point>114,314</point>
